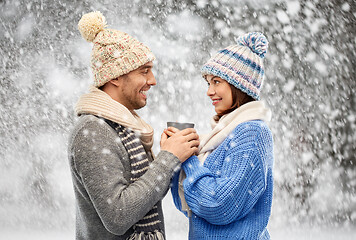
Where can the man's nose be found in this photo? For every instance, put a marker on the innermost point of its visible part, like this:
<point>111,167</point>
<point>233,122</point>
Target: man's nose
<point>151,80</point>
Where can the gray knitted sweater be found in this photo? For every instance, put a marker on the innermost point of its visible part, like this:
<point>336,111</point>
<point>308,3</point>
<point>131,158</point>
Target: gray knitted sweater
<point>108,203</point>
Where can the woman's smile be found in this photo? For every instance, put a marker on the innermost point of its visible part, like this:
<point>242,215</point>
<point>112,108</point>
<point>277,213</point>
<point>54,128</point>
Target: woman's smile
<point>220,93</point>
<point>216,100</point>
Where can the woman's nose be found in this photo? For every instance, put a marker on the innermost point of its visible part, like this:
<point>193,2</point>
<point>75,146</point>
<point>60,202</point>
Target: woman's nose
<point>210,91</point>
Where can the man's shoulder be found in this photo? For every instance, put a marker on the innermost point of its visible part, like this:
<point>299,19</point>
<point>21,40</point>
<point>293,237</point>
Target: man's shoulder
<point>89,121</point>
<point>90,125</point>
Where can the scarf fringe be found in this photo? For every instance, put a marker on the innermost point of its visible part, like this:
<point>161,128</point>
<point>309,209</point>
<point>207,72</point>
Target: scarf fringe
<point>156,235</point>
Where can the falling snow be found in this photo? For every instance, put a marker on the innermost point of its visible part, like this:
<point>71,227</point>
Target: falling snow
<point>309,86</point>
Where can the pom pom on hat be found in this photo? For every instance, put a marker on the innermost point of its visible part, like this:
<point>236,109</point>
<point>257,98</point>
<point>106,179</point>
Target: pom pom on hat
<point>91,24</point>
<point>256,41</point>
<point>114,53</point>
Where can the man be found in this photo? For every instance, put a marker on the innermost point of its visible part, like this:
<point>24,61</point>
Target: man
<point>118,185</point>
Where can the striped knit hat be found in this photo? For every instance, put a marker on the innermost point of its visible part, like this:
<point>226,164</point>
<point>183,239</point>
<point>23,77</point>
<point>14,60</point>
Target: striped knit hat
<point>114,53</point>
<point>241,65</point>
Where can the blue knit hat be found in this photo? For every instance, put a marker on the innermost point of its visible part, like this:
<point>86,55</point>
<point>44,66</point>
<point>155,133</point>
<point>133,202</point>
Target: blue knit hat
<point>241,65</point>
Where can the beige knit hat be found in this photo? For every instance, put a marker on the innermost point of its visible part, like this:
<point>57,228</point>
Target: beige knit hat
<point>114,53</point>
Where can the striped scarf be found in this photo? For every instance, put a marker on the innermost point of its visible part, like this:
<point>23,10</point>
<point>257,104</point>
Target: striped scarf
<point>149,227</point>
<point>99,103</point>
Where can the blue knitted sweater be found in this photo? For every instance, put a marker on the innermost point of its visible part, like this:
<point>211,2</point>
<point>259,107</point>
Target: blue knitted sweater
<point>230,195</point>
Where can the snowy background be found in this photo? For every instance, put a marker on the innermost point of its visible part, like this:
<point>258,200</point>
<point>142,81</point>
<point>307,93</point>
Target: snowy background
<point>310,86</point>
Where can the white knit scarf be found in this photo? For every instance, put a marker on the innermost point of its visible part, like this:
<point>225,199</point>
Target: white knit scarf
<point>221,128</point>
<point>99,103</point>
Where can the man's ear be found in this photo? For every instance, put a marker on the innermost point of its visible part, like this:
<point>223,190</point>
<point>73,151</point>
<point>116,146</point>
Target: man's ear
<point>116,82</point>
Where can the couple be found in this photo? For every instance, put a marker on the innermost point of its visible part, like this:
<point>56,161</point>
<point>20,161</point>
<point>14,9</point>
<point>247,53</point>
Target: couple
<point>224,185</point>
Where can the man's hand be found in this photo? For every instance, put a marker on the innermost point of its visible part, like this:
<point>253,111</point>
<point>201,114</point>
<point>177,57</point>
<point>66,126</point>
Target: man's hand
<point>182,144</point>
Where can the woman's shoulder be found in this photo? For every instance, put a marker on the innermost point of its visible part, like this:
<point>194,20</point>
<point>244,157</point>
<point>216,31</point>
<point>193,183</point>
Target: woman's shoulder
<point>250,130</point>
<point>252,126</point>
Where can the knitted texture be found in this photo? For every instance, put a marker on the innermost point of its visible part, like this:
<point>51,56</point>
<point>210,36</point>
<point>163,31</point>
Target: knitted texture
<point>109,204</point>
<point>242,64</point>
<point>149,226</point>
<point>114,53</point>
<point>230,195</point>
<point>99,103</point>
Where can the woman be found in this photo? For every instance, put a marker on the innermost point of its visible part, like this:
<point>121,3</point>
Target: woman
<point>227,190</point>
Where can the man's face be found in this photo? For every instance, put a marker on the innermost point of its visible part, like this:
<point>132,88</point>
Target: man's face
<point>134,86</point>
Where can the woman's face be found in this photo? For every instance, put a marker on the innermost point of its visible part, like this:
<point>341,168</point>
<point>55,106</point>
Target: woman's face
<point>220,93</point>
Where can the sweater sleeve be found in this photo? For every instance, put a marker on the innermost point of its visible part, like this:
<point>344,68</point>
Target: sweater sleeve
<point>174,191</point>
<point>230,193</point>
<point>101,163</point>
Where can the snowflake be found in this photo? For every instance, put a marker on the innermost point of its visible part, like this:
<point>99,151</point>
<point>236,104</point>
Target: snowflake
<point>105,151</point>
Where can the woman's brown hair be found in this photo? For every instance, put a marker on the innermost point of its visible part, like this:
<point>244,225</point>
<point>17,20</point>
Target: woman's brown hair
<point>239,98</point>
